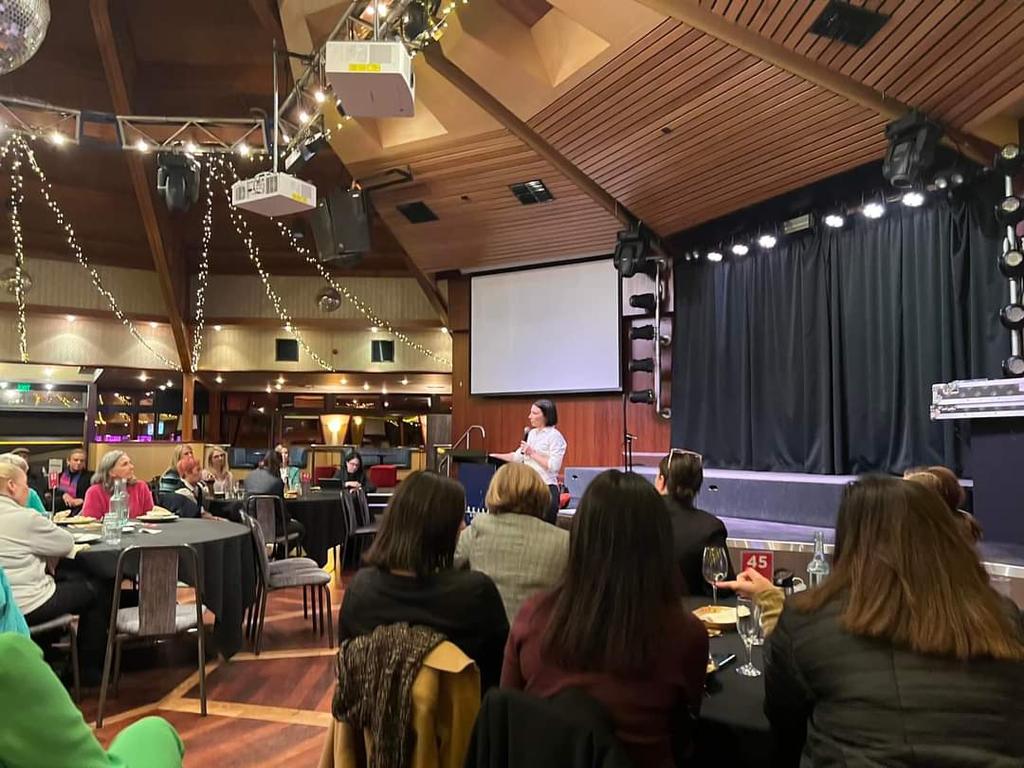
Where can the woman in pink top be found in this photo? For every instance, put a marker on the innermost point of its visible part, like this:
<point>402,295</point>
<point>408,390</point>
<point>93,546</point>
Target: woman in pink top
<point>116,465</point>
<point>615,627</point>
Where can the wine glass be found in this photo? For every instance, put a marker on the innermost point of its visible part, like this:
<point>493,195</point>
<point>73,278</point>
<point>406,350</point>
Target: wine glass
<point>715,567</point>
<point>748,617</point>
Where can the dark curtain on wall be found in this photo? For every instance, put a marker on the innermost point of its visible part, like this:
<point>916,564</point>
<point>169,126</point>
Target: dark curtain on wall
<point>819,355</point>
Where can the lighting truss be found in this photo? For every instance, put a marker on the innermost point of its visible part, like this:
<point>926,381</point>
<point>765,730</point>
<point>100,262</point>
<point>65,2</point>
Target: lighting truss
<point>199,134</point>
<point>37,118</point>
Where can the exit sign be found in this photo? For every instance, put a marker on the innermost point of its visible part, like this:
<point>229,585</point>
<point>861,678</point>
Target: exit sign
<point>24,387</point>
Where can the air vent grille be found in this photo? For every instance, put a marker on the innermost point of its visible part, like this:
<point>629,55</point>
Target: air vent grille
<point>418,212</point>
<point>530,192</point>
<point>848,23</point>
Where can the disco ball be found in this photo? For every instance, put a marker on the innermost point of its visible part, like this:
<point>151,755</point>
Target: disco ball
<point>328,299</point>
<point>10,282</point>
<point>23,26</point>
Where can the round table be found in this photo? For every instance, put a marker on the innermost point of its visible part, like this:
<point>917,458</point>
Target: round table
<point>226,556</point>
<point>733,729</point>
<point>322,514</point>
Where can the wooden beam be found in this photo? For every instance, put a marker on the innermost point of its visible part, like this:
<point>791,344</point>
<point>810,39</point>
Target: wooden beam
<point>142,185</point>
<point>690,12</point>
<point>188,405</point>
<point>478,94</point>
<point>266,12</point>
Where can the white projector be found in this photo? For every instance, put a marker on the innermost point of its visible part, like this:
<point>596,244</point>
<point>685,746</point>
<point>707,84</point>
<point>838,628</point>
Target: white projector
<point>273,194</point>
<point>372,79</point>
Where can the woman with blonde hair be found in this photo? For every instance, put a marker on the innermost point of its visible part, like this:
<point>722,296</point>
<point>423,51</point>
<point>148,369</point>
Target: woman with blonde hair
<point>116,465</point>
<point>170,480</point>
<point>217,472</point>
<point>513,544</point>
<point>904,655</point>
<point>33,501</point>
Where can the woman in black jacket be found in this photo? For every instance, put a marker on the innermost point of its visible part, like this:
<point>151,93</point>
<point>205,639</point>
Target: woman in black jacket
<point>904,656</point>
<point>680,476</point>
<point>353,474</point>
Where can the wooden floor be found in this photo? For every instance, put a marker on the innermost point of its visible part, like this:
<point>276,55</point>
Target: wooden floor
<point>271,710</point>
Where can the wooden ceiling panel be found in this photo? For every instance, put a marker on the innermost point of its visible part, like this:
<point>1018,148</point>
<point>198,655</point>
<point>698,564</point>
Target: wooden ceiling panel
<point>480,222</point>
<point>951,58</point>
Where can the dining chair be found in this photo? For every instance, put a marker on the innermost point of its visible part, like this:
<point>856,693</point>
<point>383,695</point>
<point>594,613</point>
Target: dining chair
<point>361,523</point>
<point>272,516</point>
<point>284,574</point>
<point>158,615</point>
<point>68,625</point>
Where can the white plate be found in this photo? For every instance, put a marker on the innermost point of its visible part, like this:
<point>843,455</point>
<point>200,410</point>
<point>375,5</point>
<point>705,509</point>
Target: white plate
<point>720,615</point>
<point>157,518</point>
<point>86,538</point>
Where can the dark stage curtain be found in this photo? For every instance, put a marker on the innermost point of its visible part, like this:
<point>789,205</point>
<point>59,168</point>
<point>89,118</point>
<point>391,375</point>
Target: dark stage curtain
<point>819,355</point>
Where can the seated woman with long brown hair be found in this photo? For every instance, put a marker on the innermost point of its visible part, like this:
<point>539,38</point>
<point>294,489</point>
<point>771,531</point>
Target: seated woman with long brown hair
<point>904,656</point>
<point>945,483</point>
<point>615,627</point>
<point>410,576</point>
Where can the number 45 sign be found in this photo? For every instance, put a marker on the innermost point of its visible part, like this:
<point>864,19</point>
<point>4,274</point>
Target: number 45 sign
<point>760,560</point>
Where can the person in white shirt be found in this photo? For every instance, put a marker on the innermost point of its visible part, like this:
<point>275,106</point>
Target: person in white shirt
<point>543,450</point>
<point>27,540</point>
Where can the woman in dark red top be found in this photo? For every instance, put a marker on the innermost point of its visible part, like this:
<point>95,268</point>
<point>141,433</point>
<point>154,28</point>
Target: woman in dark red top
<point>615,626</point>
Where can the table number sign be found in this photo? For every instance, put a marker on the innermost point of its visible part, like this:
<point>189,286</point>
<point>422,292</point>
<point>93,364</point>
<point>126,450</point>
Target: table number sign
<point>762,561</point>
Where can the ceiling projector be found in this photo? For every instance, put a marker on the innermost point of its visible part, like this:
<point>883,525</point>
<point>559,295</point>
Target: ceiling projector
<point>273,194</point>
<point>371,79</point>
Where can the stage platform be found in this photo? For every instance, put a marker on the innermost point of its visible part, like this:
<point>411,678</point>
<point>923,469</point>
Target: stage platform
<point>780,511</point>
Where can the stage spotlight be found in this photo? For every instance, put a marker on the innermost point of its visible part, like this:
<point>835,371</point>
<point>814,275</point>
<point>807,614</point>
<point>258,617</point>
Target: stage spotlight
<point>643,365</point>
<point>913,199</point>
<point>941,182</point>
<point>767,241</point>
<point>873,210</point>
<point>177,177</point>
<point>715,256</point>
<point>415,21</point>
<point>631,255</point>
<point>1013,366</point>
<point>644,301</point>
<point>1011,263</point>
<point>835,220</point>
<point>739,249</point>
<point>1009,211</point>
<point>644,396</point>
<point>1012,317</point>
<point>1009,160</point>
<point>641,333</point>
<point>304,152</point>
<point>912,142</point>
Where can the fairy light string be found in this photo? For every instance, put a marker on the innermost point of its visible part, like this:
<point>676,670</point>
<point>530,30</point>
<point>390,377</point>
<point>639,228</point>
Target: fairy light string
<point>17,198</point>
<point>242,228</point>
<point>204,272</point>
<point>76,249</point>
<point>364,309</point>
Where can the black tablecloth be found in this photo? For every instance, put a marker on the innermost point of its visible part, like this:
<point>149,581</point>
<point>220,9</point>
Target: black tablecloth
<point>226,556</point>
<point>323,516</point>
<point>733,730</point>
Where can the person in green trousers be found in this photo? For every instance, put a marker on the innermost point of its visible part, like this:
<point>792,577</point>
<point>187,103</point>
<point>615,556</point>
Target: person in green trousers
<point>41,726</point>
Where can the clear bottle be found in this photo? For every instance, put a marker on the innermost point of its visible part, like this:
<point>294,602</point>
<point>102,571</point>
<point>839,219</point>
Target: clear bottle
<point>818,569</point>
<point>117,514</point>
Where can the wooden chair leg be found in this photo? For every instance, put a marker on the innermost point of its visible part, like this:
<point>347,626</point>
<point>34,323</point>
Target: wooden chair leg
<point>76,676</point>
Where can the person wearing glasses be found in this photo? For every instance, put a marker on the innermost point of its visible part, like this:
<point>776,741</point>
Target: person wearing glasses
<point>680,476</point>
<point>542,450</point>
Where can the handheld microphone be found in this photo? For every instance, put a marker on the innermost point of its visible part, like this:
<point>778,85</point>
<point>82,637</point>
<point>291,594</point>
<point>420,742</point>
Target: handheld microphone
<point>526,433</point>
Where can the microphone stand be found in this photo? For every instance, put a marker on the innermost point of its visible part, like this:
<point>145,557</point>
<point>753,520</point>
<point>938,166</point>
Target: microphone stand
<point>627,438</point>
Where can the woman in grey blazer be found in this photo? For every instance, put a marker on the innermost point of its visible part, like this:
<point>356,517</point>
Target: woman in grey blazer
<point>513,545</point>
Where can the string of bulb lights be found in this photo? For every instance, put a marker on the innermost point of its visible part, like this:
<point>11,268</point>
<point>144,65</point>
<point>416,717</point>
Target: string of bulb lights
<point>872,209</point>
<point>204,273</point>
<point>19,144</point>
<point>217,169</point>
<point>17,198</point>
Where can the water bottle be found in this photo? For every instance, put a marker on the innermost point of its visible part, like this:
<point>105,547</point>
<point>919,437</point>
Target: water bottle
<point>117,514</point>
<point>818,569</point>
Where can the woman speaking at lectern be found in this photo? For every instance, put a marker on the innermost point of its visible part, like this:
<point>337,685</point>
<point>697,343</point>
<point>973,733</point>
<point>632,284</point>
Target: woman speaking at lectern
<point>543,449</point>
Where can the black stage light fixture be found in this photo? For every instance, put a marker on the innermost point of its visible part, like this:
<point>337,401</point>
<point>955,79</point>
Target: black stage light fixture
<point>177,179</point>
<point>1009,160</point>
<point>643,365</point>
<point>304,152</point>
<point>644,396</point>
<point>415,21</point>
<point>631,255</point>
<point>1010,211</point>
<point>644,301</point>
<point>1013,366</point>
<point>641,333</point>
<point>1012,317</point>
<point>912,142</point>
<point>1011,263</point>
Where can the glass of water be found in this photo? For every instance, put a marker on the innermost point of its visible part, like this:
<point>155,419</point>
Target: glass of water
<point>748,620</point>
<point>112,524</point>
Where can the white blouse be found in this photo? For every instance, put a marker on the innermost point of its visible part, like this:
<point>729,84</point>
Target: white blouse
<point>549,441</point>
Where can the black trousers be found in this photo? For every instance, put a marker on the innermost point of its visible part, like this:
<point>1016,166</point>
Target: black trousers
<point>85,597</point>
<point>552,515</point>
